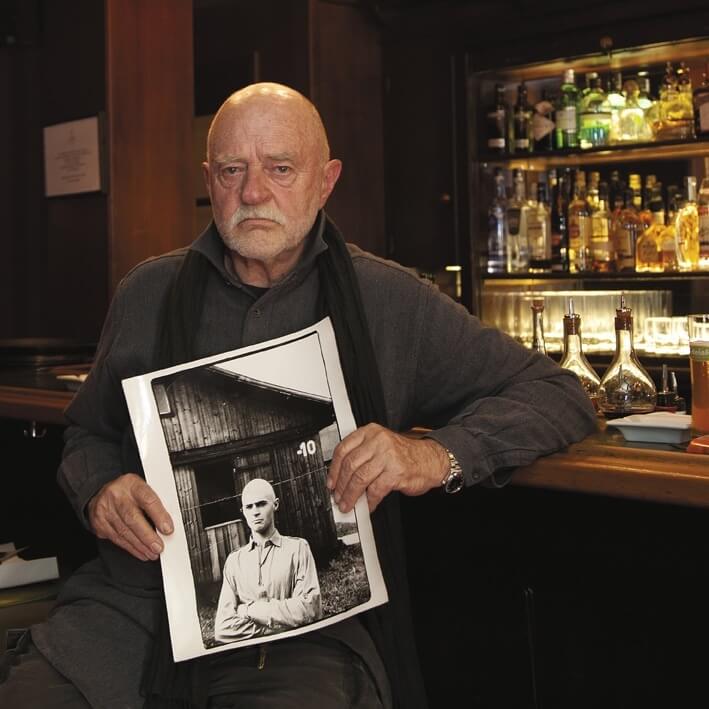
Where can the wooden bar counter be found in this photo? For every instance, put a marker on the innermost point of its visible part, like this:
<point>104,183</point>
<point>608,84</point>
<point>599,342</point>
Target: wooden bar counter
<point>604,463</point>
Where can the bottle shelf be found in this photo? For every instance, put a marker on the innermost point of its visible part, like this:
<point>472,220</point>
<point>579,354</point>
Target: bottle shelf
<point>675,149</point>
<point>634,276</point>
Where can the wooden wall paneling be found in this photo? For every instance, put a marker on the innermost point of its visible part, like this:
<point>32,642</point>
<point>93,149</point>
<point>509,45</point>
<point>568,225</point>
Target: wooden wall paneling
<point>346,86</point>
<point>150,106</point>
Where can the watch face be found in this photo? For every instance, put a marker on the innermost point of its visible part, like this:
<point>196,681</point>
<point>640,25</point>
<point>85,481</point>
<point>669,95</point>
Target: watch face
<point>454,483</point>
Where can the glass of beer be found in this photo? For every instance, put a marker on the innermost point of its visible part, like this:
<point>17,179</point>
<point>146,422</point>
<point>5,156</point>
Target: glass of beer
<point>698,326</point>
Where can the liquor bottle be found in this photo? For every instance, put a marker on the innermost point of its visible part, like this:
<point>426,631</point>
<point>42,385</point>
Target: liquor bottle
<point>521,127</point>
<point>701,105</point>
<point>615,101</point>
<point>594,115</point>
<point>703,218</point>
<point>539,232</point>
<point>645,213</point>
<point>592,193</point>
<point>631,118</point>
<point>559,226</point>
<point>543,123</point>
<point>579,227</point>
<point>627,227</point>
<point>496,231</point>
<point>676,113</point>
<point>602,251</point>
<point>615,189</point>
<point>538,344</point>
<point>687,228</point>
<point>668,247</point>
<point>566,119</point>
<point>648,250</point>
<point>497,120</point>
<point>635,184</point>
<point>574,359</point>
<point>626,388</point>
<point>517,245</point>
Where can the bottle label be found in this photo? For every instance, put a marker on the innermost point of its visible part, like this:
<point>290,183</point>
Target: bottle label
<point>496,143</point>
<point>699,351</point>
<point>513,218</point>
<point>647,252</point>
<point>522,143</point>
<point>566,119</point>
<point>703,211</point>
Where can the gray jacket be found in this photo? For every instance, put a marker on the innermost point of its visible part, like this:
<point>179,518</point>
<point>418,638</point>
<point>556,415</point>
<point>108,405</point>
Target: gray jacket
<point>493,403</point>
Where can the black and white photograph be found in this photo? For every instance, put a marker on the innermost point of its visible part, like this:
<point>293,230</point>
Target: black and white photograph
<point>239,446</point>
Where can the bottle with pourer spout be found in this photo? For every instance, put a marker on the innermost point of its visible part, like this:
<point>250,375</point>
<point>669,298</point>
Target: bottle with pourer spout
<point>574,359</point>
<point>626,388</point>
<point>538,343</point>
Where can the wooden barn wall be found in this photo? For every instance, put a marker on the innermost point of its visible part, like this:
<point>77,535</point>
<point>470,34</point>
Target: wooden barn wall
<point>206,417</point>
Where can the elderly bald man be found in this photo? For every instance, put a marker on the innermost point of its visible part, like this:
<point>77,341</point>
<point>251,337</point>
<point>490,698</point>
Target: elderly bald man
<point>270,264</point>
<point>270,584</point>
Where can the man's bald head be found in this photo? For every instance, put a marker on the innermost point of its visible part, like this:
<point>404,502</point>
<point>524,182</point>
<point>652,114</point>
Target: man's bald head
<point>257,489</point>
<point>287,105</point>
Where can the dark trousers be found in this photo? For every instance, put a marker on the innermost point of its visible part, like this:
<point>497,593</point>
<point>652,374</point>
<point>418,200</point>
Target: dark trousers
<point>294,675</point>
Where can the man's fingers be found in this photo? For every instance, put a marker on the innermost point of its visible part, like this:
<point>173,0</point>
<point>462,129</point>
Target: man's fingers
<point>342,450</point>
<point>148,500</point>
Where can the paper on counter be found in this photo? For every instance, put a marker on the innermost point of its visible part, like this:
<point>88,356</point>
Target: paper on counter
<point>20,572</point>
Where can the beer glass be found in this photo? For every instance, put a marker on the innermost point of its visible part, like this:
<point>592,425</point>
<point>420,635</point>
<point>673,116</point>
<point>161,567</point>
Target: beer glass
<point>698,326</point>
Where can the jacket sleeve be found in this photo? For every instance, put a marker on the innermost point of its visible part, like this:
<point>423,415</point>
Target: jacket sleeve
<point>98,421</point>
<point>492,402</point>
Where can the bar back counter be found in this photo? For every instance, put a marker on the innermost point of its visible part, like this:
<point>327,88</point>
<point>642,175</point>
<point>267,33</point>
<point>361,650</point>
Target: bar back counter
<point>582,583</point>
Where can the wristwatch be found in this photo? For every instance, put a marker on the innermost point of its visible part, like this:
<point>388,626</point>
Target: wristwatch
<point>454,481</point>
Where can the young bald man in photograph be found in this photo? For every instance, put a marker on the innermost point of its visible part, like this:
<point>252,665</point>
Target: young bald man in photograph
<point>272,263</point>
<point>270,584</point>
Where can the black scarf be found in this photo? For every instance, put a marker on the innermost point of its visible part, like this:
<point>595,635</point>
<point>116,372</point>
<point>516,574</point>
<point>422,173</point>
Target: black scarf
<point>169,685</point>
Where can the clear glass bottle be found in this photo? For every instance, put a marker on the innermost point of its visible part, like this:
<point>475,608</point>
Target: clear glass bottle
<point>538,344</point>
<point>566,119</point>
<point>579,227</point>
<point>496,226</point>
<point>626,388</point>
<point>539,232</point>
<point>517,246</point>
<point>574,359</point>
<point>559,221</point>
<point>687,228</point>
<point>594,115</point>
<point>543,123</point>
<point>615,101</point>
<point>676,112</point>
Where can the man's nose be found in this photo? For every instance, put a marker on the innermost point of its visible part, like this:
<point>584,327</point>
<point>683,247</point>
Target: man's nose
<point>254,187</point>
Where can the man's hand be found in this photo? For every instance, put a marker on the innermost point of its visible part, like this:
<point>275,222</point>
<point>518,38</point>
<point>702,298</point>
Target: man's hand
<point>377,460</point>
<point>124,512</point>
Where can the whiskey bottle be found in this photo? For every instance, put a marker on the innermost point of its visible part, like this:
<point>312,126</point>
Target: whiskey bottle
<point>615,101</point>
<point>517,244</point>
<point>566,119</point>
<point>687,228</point>
<point>627,228</point>
<point>538,344</point>
<point>579,227</point>
<point>496,230</point>
<point>602,251</point>
<point>574,359</point>
<point>521,118</point>
<point>497,120</point>
<point>648,250</point>
<point>539,232</point>
<point>626,388</point>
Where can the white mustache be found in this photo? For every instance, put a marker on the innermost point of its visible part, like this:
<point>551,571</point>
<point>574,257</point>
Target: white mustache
<point>269,212</point>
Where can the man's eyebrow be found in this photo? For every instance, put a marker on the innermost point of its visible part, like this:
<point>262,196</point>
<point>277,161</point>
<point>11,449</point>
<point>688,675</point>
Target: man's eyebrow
<point>281,156</point>
<point>224,158</point>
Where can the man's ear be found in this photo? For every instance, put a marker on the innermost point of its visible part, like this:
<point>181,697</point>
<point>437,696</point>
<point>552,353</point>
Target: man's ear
<point>331,173</point>
<point>275,503</point>
<point>205,174</point>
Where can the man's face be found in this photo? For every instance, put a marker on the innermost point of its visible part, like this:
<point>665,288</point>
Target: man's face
<point>266,177</point>
<point>259,509</point>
